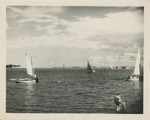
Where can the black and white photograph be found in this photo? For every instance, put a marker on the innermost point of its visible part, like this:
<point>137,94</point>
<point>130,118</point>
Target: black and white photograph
<point>75,59</point>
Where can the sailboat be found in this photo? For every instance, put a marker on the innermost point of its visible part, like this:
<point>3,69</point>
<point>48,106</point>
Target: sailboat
<point>136,74</point>
<point>30,71</point>
<point>63,67</point>
<point>90,68</point>
<point>111,67</point>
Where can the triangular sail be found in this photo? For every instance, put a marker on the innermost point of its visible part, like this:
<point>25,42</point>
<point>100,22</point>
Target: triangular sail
<point>29,65</point>
<point>137,65</point>
<point>89,67</point>
<point>111,67</point>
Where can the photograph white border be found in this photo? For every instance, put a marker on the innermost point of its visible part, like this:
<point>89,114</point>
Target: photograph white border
<point>97,116</point>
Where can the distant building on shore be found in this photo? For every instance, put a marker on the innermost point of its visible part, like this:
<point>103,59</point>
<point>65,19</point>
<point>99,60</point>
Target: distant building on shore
<point>122,67</point>
<point>12,66</point>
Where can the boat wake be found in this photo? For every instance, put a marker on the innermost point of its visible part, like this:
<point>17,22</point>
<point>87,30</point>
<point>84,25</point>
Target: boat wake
<point>13,79</point>
<point>25,80</point>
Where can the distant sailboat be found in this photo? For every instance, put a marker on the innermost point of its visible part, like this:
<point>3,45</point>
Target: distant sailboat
<point>136,74</point>
<point>63,66</point>
<point>90,68</point>
<point>30,72</point>
<point>111,67</point>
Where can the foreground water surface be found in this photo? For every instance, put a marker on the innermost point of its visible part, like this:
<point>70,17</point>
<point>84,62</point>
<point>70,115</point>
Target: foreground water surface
<point>72,91</point>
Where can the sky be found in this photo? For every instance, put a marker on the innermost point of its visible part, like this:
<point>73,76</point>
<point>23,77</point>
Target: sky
<point>71,35</point>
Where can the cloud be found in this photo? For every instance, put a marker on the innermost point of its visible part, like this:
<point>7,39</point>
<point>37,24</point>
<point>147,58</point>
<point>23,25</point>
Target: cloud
<point>111,36</point>
<point>34,20</point>
<point>106,60</point>
<point>97,33</point>
<point>113,24</point>
<point>33,12</point>
<point>130,54</point>
<point>57,10</point>
<point>14,12</point>
<point>40,19</point>
<point>121,22</point>
<point>110,59</point>
<point>127,57</point>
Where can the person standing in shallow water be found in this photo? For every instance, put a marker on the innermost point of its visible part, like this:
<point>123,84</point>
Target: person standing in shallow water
<point>118,101</point>
<point>35,77</point>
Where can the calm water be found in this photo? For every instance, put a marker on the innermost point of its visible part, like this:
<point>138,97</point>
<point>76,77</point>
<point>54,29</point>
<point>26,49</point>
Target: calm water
<point>72,91</point>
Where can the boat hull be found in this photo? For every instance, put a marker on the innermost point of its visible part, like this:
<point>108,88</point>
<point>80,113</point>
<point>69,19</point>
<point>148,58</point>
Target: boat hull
<point>26,80</point>
<point>133,78</point>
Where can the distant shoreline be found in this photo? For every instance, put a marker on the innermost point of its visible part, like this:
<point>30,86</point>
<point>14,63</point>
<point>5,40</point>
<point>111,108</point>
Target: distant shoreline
<point>12,66</point>
<point>73,68</point>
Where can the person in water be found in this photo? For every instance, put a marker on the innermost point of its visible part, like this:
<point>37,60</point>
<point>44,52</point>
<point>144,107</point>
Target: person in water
<point>123,107</point>
<point>129,77</point>
<point>118,101</point>
<point>35,77</point>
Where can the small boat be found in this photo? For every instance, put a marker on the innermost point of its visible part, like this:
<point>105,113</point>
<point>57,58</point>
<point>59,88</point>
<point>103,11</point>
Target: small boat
<point>13,79</point>
<point>90,68</point>
<point>30,71</point>
<point>26,80</point>
<point>136,76</point>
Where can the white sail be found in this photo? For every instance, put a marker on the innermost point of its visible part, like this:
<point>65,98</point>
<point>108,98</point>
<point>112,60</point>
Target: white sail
<point>137,65</point>
<point>30,71</point>
<point>29,66</point>
<point>90,68</point>
<point>111,67</point>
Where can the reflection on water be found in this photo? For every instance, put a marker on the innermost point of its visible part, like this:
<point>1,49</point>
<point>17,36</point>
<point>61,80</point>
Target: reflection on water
<point>136,84</point>
<point>29,94</point>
